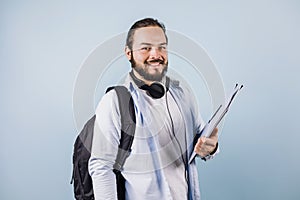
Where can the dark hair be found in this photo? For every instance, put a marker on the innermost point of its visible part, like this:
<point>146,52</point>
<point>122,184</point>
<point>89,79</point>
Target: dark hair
<point>146,22</point>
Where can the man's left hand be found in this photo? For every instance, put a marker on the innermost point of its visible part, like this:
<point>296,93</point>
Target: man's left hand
<point>206,145</point>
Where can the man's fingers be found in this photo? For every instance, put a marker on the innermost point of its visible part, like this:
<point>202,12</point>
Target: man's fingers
<point>214,133</point>
<point>199,147</point>
<point>210,142</point>
<point>205,146</point>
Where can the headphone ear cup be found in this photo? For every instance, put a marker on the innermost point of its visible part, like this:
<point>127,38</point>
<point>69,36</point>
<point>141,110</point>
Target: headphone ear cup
<point>155,90</point>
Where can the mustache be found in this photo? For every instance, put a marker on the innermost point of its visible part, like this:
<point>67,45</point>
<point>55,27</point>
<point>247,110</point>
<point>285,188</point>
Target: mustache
<point>160,61</point>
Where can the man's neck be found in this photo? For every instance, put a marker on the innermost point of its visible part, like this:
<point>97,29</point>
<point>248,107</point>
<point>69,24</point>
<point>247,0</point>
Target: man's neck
<point>138,76</point>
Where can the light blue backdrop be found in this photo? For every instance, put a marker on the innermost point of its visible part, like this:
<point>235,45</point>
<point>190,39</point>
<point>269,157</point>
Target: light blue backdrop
<point>44,43</point>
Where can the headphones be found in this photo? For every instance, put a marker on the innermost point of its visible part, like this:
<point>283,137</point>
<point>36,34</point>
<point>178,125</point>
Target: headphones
<point>156,90</point>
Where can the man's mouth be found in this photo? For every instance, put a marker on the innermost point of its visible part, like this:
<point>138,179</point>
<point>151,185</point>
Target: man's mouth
<point>156,62</point>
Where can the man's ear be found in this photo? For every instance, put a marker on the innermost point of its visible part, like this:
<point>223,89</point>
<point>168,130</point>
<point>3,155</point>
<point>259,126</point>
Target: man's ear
<point>128,53</point>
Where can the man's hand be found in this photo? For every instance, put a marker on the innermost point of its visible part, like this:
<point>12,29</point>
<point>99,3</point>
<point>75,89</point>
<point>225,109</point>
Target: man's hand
<point>205,146</point>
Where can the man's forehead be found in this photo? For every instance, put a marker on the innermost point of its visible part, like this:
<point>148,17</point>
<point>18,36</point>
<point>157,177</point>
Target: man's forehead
<point>151,35</point>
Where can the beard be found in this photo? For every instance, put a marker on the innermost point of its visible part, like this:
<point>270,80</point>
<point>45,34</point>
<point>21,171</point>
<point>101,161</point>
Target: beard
<point>144,69</point>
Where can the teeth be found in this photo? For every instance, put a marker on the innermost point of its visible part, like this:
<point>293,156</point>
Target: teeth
<point>155,64</point>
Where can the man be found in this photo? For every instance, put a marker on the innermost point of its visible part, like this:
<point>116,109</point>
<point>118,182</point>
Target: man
<point>166,122</point>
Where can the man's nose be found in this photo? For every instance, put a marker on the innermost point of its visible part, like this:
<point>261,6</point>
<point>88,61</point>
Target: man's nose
<point>155,52</point>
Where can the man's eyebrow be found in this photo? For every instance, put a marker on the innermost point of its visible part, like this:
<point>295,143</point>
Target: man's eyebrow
<point>146,43</point>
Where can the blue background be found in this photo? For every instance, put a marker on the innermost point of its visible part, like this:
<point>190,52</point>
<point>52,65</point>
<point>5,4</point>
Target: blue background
<point>43,44</point>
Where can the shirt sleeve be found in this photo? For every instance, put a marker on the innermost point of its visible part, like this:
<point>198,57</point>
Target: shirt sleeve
<point>105,147</point>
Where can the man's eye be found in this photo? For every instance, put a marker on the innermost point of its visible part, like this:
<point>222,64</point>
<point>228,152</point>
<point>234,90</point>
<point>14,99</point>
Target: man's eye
<point>146,48</point>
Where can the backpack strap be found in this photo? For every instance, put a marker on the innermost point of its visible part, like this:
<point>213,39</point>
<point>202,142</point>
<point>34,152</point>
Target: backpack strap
<point>128,125</point>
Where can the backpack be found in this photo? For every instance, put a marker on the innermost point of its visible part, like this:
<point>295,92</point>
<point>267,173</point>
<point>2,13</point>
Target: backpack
<point>81,180</point>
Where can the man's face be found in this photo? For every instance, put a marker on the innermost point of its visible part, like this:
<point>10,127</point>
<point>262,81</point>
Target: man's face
<point>148,55</point>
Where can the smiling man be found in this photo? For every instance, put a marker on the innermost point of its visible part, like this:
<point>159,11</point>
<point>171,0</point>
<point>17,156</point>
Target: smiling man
<point>167,121</point>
